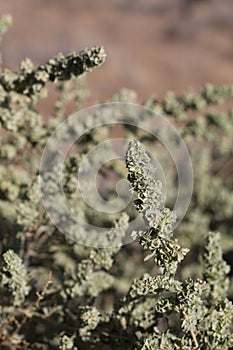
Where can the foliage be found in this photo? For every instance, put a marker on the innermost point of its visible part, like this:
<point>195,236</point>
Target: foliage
<point>56,293</point>
<point>14,277</point>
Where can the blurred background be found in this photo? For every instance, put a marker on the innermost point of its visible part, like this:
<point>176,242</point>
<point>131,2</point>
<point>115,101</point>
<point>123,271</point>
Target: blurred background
<point>152,45</point>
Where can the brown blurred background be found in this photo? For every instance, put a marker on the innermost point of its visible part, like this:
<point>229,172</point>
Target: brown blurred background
<point>152,46</point>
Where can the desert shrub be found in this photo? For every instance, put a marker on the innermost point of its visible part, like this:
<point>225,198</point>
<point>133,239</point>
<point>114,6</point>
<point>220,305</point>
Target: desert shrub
<point>56,293</point>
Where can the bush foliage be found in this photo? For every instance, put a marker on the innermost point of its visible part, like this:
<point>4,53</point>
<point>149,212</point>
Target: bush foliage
<point>58,294</point>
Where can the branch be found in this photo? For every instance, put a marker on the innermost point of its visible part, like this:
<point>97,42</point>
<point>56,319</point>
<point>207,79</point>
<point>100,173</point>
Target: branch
<point>30,82</point>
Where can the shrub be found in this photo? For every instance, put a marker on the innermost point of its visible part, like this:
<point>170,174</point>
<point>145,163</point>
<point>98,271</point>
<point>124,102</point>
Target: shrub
<point>56,293</point>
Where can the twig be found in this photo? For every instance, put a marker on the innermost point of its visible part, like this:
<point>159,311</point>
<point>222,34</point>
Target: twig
<point>34,307</point>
